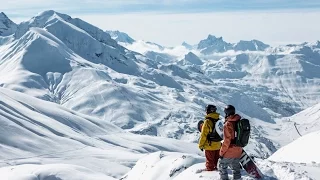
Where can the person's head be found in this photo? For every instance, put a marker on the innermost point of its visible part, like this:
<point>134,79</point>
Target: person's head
<point>211,108</point>
<point>229,110</point>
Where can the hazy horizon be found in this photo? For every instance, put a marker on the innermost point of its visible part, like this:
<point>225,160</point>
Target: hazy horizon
<point>170,23</point>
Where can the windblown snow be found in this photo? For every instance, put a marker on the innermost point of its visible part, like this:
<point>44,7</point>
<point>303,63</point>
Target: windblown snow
<point>37,132</point>
<point>78,102</point>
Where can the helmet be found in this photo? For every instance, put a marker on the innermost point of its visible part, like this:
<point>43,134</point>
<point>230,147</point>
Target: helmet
<point>229,110</point>
<point>211,108</point>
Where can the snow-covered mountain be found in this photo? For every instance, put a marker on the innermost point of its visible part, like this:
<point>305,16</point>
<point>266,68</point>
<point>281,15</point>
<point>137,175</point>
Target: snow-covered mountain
<point>92,92</point>
<point>188,46</point>
<point>285,70</point>
<point>253,45</point>
<point>159,57</point>
<point>7,27</point>
<point>82,68</point>
<point>217,45</point>
<point>121,37</point>
<point>213,44</point>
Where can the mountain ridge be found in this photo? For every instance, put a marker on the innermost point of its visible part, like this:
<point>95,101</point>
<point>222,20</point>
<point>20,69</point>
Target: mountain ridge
<point>7,27</point>
<point>111,103</point>
<point>157,95</point>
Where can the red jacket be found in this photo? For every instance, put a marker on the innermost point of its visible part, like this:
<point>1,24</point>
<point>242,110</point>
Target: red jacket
<point>229,150</point>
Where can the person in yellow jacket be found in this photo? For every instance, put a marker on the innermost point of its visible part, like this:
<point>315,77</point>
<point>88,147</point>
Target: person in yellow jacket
<point>211,148</point>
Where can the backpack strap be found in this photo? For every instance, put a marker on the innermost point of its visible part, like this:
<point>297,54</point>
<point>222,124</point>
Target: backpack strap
<point>214,122</point>
<point>234,140</point>
<point>213,127</point>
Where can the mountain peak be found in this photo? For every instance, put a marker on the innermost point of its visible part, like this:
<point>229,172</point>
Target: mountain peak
<point>3,15</point>
<point>56,21</point>
<point>213,44</point>
<point>49,13</point>
<point>317,44</point>
<point>252,45</point>
<point>46,13</point>
<point>214,38</point>
<point>41,20</point>
<point>121,36</point>
<point>7,27</point>
<point>186,45</point>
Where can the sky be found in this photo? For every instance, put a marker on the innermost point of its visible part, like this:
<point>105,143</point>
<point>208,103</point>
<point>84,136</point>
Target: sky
<point>170,22</point>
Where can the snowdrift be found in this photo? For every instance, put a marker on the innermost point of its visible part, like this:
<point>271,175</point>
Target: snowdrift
<point>303,150</point>
<point>182,166</point>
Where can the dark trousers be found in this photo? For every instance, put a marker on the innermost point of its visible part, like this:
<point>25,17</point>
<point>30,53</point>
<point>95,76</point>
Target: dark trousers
<point>212,158</point>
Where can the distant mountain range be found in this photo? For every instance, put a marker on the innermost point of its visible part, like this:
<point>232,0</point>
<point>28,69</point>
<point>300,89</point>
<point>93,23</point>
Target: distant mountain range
<point>163,91</point>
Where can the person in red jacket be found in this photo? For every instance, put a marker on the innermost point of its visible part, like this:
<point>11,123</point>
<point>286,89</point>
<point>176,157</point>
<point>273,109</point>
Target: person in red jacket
<point>230,153</point>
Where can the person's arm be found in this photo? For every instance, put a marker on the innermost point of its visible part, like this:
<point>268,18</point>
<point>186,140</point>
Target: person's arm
<point>227,137</point>
<point>204,134</point>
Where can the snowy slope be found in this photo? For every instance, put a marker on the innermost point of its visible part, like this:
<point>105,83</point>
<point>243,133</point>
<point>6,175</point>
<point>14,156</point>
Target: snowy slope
<point>300,124</point>
<point>308,120</point>
<point>34,131</point>
<point>52,172</point>
<point>303,150</point>
<point>290,80</point>
<point>70,68</point>
<point>43,140</point>
<point>87,41</point>
<point>190,59</point>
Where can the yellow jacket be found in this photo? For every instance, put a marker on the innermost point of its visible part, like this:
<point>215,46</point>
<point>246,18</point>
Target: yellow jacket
<point>207,127</point>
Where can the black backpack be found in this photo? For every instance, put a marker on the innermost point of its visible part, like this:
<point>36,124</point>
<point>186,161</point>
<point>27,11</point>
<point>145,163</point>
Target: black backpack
<point>242,132</point>
<point>213,136</point>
